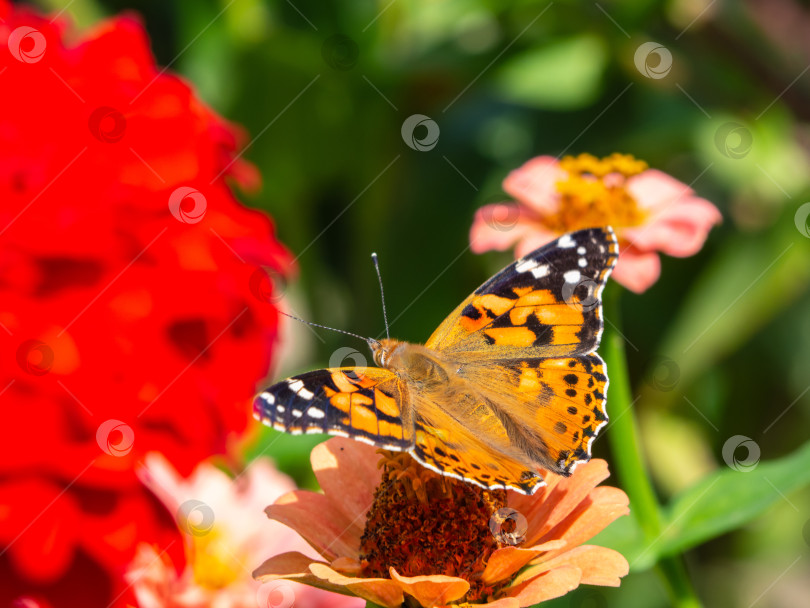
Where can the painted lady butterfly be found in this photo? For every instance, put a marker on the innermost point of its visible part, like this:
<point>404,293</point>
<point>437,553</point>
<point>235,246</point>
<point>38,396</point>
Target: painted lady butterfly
<point>508,384</point>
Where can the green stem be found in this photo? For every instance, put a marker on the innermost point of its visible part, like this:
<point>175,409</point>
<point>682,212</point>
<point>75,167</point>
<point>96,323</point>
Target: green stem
<point>627,457</point>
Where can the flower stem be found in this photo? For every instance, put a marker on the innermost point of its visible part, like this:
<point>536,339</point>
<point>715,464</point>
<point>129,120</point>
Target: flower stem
<point>626,449</point>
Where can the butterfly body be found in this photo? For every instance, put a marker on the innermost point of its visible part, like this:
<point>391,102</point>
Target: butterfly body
<point>507,386</point>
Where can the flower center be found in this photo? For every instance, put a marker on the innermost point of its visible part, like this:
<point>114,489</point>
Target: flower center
<point>422,523</point>
<point>594,193</point>
<point>214,565</point>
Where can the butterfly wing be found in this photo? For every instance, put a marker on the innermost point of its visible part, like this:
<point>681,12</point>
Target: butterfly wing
<point>363,403</point>
<point>546,304</point>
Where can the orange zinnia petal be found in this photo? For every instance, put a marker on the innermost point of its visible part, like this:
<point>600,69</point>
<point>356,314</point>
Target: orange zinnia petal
<point>506,561</point>
<point>599,566</point>
<point>293,566</point>
<point>315,517</point>
<point>547,586</point>
<point>382,591</point>
<point>432,590</point>
<point>352,494</point>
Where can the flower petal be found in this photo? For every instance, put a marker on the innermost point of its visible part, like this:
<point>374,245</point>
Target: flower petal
<point>499,226</point>
<point>293,566</point>
<point>504,562</point>
<point>348,474</point>
<point>564,497</point>
<point>432,590</point>
<point>599,565</point>
<point>637,270</point>
<point>538,237</point>
<point>315,517</point>
<point>382,591</point>
<point>678,230</point>
<point>546,586</point>
<point>594,514</point>
<point>535,184</point>
<point>654,188</point>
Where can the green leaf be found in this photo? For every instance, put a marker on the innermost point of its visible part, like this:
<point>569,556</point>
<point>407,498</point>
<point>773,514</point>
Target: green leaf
<point>561,75</point>
<point>728,499</point>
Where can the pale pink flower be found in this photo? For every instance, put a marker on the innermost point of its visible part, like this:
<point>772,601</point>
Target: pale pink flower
<point>650,211</point>
<point>227,535</point>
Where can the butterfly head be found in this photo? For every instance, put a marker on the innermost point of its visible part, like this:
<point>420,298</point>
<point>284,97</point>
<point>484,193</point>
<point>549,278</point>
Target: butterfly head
<point>381,350</point>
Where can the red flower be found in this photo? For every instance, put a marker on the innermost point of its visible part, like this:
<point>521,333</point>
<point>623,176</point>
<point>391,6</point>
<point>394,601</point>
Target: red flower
<point>129,324</point>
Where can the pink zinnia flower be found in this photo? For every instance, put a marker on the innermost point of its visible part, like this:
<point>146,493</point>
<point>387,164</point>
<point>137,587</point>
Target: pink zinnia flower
<point>227,535</point>
<point>650,211</point>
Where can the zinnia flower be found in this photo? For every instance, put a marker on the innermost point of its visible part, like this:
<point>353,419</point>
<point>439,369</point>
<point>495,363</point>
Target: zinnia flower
<point>225,535</point>
<point>127,323</point>
<point>440,541</point>
<point>650,211</point>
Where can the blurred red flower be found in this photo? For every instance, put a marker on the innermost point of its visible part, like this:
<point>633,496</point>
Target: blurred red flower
<point>137,312</point>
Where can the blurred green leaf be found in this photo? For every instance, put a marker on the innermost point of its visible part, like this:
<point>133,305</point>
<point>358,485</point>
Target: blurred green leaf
<point>564,74</point>
<point>728,499</point>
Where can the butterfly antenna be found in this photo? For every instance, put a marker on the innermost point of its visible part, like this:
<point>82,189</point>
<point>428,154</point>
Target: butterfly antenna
<point>348,333</point>
<point>382,293</point>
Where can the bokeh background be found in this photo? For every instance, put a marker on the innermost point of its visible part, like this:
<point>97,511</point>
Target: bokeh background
<point>719,347</point>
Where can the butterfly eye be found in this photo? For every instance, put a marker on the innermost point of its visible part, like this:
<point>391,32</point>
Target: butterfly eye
<point>380,357</point>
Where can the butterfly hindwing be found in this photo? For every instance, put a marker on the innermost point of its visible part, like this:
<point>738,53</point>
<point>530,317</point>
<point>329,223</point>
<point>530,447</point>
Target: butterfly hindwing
<point>546,304</point>
<point>362,403</point>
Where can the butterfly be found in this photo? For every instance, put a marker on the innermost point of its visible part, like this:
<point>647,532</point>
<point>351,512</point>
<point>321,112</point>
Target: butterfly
<point>508,385</point>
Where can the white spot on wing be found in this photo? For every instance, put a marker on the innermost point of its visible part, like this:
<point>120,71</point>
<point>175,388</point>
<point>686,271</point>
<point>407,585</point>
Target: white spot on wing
<point>295,385</point>
<point>306,394</point>
<point>540,271</point>
<point>582,262</point>
<point>565,241</point>
<point>280,409</point>
<point>314,412</point>
<point>572,276</point>
<point>297,413</point>
<point>526,265</point>
<point>268,397</point>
